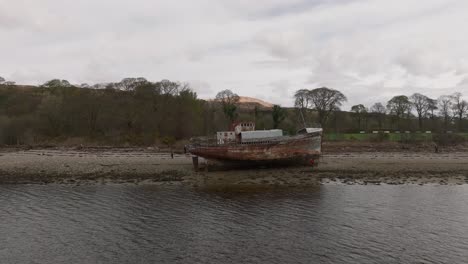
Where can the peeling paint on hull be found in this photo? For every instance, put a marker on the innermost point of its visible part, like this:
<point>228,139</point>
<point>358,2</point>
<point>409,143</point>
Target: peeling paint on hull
<point>295,149</point>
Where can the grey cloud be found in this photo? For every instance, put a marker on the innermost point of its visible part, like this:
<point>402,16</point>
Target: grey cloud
<point>283,44</point>
<point>280,92</point>
<point>463,83</point>
<point>418,63</point>
<point>28,76</point>
<point>370,49</point>
<point>7,21</point>
<point>202,88</point>
<point>294,7</point>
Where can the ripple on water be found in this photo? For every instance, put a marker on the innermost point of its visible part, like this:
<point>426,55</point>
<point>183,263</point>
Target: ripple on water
<point>147,224</point>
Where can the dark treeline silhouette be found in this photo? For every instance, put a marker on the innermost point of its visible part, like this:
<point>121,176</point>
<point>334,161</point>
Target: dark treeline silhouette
<point>135,111</point>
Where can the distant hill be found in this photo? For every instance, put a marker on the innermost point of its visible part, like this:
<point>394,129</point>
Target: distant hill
<point>250,103</point>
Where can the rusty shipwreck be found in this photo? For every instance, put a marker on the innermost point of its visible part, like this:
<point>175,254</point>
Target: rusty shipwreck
<point>243,145</point>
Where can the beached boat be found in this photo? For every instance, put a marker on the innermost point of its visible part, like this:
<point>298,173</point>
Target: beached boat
<point>244,145</point>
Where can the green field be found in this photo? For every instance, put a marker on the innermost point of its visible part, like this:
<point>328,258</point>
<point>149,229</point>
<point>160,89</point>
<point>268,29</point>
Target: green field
<point>396,137</point>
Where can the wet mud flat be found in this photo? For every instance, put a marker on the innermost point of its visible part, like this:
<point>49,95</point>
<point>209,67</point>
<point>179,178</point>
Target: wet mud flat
<point>91,166</point>
<point>146,166</point>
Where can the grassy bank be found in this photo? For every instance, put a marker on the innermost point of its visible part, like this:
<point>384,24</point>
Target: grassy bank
<point>398,137</point>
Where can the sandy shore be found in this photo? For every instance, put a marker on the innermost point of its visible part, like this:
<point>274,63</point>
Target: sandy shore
<point>91,166</point>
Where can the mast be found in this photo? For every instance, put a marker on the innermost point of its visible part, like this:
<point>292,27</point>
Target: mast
<point>302,116</point>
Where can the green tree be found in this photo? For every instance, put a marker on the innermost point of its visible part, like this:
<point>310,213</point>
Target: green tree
<point>228,101</point>
<point>278,114</point>
<point>56,83</point>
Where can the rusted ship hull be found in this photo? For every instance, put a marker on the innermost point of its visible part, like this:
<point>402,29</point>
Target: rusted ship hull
<point>300,149</point>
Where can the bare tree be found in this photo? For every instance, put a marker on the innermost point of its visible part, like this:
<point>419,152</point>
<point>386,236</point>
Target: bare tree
<point>421,104</point>
<point>107,86</point>
<point>431,107</point>
<point>51,111</point>
<point>130,84</point>
<point>460,108</point>
<point>302,103</point>
<point>184,87</point>
<point>399,106</point>
<point>228,100</point>
<point>98,86</point>
<point>302,99</point>
<point>323,100</point>
<point>445,109</point>
<point>379,111</point>
<point>360,112</point>
<point>169,88</point>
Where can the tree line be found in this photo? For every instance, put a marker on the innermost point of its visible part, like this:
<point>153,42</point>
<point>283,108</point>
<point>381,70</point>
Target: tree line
<point>446,113</point>
<point>135,111</point>
<point>132,111</point>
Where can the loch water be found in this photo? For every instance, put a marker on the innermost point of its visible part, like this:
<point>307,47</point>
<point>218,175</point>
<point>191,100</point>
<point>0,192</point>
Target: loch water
<point>157,224</point>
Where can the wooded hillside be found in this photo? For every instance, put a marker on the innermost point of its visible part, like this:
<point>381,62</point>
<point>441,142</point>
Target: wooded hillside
<point>138,112</point>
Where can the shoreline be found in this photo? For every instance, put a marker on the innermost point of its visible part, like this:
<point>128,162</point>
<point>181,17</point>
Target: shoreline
<point>147,166</point>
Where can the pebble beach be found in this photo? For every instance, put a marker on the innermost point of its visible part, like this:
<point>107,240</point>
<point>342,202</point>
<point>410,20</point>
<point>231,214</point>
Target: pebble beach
<point>139,166</point>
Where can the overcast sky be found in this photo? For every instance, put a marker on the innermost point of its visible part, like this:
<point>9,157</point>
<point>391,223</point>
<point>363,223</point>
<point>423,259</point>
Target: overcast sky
<point>369,50</point>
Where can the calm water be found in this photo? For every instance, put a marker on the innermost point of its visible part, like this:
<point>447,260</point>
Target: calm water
<point>150,224</point>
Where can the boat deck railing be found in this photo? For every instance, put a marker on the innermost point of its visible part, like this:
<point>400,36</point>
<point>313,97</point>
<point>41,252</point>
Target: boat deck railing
<point>213,142</point>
